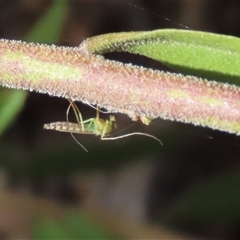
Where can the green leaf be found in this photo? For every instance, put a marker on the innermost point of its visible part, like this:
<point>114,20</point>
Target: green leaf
<point>11,102</point>
<point>207,55</point>
<point>48,28</point>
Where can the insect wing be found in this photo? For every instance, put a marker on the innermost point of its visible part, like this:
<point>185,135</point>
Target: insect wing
<point>66,127</point>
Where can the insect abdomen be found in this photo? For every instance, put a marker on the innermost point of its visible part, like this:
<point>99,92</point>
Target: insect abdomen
<point>64,127</point>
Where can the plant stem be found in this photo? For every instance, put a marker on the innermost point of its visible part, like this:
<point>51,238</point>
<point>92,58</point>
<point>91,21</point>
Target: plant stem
<point>72,73</point>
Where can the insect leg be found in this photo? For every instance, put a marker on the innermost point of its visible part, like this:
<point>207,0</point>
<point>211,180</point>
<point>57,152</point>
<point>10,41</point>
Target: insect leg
<point>76,112</point>
<point>132,134</point>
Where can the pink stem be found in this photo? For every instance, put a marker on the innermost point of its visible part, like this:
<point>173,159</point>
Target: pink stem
<point>137,91</point>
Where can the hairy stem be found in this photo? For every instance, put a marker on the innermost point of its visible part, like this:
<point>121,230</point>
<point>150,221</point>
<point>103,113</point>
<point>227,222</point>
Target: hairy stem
<point>137,91</point>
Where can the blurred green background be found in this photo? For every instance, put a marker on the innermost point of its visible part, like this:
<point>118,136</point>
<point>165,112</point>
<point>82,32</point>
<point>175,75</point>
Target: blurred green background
<point>130,188</point>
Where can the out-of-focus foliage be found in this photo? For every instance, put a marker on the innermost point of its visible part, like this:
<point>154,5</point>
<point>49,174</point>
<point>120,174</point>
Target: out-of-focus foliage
<point>213,202</point>
<point>48,28</point>
<point>74,226</point>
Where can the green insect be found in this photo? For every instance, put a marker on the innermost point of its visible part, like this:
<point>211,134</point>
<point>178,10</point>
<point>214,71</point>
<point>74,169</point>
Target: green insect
<point>95,126</point>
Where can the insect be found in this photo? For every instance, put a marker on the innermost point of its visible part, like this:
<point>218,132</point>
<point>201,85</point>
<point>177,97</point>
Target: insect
<point>145,120</point>
<point>95,126</point>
